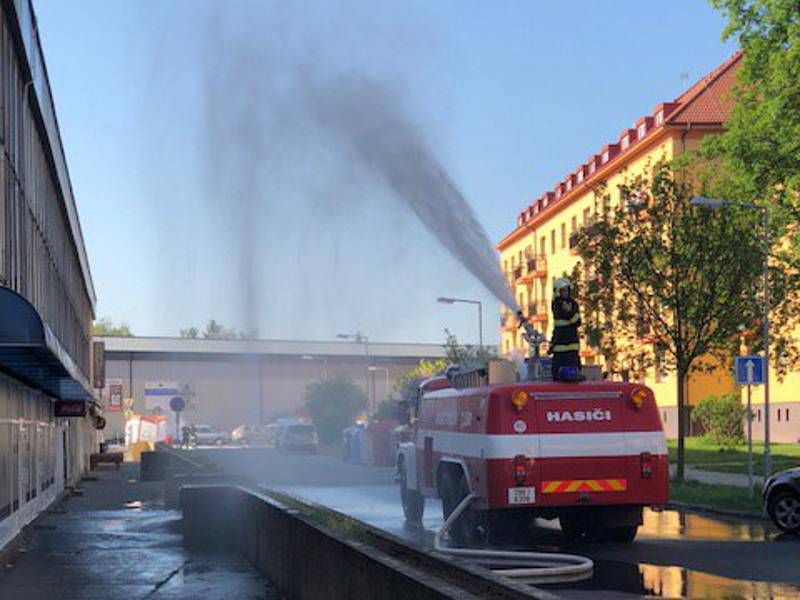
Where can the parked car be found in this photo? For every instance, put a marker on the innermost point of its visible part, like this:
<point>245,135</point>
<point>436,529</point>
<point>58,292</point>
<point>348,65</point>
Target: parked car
<point>253,435</point>
<point>298,437</point>
<point>206,435</point>
<point>782,500</point>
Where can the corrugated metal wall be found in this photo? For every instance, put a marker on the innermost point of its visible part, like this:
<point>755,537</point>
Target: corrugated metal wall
<point>39,255</point>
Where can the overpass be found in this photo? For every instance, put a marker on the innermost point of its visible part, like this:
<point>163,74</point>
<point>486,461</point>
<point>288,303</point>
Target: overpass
<point>231,382</point>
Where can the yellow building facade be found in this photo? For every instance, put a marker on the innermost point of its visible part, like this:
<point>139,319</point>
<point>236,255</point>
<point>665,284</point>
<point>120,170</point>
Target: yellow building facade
<point>541,248</point>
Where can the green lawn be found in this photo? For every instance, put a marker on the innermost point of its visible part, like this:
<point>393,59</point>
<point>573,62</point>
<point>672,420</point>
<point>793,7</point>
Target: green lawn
<point>703,454</point>
<point>716,496</point>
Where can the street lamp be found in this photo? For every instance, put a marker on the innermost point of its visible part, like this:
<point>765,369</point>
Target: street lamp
<point>480,313</point>
<point>360,338</point>
<point>714,203</point>
<point>385,372</point>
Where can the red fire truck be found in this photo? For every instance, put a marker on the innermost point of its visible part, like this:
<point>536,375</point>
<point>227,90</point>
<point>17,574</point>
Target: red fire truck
<point>591,454</point>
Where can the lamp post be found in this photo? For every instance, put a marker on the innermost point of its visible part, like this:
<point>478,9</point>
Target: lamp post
<point>385,372</point>
<point>444,300</point>
<point>714,203</point>
<point>360,338</point>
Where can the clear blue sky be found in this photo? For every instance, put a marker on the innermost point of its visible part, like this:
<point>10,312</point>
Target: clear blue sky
<point>511,95</point>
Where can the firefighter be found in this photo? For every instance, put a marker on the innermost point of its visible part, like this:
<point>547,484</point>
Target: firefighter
<point>565,343</point>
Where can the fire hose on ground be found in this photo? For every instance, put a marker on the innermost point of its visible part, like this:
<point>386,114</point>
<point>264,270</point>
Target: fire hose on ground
<point>531,566</point>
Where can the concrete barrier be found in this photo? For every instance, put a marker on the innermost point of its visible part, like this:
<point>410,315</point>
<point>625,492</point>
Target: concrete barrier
<point>153,466</point>
<point>304,560</point>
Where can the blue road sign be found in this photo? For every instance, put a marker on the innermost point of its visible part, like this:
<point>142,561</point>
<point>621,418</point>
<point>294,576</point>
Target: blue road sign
<point>177,403</point>
<point>750,370</point>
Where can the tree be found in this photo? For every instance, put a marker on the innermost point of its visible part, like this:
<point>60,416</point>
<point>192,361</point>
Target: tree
<point>665,284</point>
<point>466,354</point>
<point>190,333</point>
<point>424,370</point>
<point>217,331</point>
<point>761,146</point>
<point>106,327</point>
<point>333,405</point>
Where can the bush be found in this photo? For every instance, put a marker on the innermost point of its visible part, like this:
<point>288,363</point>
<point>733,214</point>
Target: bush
<point>333,406</point>
<point>721,418</point>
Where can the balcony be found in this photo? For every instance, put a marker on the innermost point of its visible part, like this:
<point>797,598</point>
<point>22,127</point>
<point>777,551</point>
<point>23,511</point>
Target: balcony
<point>537,312</point>
<point>518,273</point>
<point>537,267</point>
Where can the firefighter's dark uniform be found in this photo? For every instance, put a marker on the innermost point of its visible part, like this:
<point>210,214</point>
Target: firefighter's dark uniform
<point>565,342</point>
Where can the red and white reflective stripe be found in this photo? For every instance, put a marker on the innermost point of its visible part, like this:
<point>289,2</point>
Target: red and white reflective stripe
<point>547,445</point>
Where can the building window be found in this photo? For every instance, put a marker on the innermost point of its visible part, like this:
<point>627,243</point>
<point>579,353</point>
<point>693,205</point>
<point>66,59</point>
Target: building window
<point>553,241</point>
<point>542,246</point>
<point>569,184</point>
<point>591,167</point>
<point>659,118</point>
<point>642,131</point>
<point>779,415</point>
<point>580,176</point>
<point>558,192</point>
<point>604,157</point>
<point>758,415</point>
<point>574,225</point>
<point>787,414</point>
<point>665,416</point>
<point>587,215</point>
<point>563,235</point>
<point>626,141</point>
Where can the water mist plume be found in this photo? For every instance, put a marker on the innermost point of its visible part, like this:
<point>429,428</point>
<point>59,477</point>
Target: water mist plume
<point>364,114</point>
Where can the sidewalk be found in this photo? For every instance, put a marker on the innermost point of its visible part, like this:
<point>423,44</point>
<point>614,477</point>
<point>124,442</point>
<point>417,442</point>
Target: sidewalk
<point>714,478</point>
<point>116,541</point>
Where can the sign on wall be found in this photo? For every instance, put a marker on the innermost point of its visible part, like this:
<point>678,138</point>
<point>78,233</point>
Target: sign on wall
<point>157,395</point>
<point>99,365</point>
<point>70,408</point>
<point>112,395</point>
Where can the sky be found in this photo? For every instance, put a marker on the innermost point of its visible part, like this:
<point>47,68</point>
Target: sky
<point>205,192</point>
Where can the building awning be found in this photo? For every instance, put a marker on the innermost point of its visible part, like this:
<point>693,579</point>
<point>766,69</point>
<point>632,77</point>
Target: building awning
<point>30,352</point>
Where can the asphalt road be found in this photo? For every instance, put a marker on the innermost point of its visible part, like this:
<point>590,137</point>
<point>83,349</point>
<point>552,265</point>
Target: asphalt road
<point>676,554</point>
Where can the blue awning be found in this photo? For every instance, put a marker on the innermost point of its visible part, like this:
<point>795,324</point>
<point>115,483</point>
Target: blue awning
<point>30,352</point>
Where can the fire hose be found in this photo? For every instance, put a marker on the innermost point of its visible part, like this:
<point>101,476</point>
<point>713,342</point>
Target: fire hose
<point>532,566</point>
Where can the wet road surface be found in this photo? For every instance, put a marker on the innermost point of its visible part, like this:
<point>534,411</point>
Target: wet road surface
<point>676,554</point>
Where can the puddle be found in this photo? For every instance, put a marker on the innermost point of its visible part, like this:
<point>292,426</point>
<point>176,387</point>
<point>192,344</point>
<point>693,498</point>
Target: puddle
<point>672,524</point>
<point>670,582</point>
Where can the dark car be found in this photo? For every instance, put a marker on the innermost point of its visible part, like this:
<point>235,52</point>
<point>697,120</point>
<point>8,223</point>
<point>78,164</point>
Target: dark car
<point>782,500</point>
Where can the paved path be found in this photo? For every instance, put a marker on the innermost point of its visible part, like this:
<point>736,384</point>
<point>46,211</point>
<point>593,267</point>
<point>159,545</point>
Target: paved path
<point>716,478</point>
<point>116,541</point>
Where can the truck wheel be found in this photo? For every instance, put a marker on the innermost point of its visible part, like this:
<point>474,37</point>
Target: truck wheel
<point>413,502</point>
<point>454,490</point>
<point>622,535</point>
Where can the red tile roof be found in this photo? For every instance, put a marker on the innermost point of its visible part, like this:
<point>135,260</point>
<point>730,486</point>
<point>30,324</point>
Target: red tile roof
<point>707,102</point>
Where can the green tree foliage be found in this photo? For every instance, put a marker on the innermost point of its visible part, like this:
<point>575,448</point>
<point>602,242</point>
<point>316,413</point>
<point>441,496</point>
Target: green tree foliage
<point>462,355</point>
<point>665,284</point>
<point>387,409</point>
<point>761,147</point>
<point>106,327</point>
<point>721,418</point>
<point>217,331</point>
<point>333,405</point>
<point>424,370</point>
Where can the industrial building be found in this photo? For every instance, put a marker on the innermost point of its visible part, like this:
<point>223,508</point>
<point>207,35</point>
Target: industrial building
<point>542,246</point>
<point>47,299</point>
<point>227,383</point>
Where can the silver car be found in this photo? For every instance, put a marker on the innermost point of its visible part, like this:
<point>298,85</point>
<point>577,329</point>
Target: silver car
<point>206,435</point>
<point>299,437</point>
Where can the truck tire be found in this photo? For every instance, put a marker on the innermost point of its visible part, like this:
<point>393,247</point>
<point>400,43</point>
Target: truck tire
<point>413,502</point>
<point>622,535</point>
<point>454,488</point>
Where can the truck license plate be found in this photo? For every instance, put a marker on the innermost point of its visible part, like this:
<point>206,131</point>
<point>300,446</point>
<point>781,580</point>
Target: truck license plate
<point>522,495</point>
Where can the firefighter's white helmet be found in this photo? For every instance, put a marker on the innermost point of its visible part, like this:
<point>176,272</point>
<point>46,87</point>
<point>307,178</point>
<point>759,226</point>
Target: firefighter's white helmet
<point>561,283</point>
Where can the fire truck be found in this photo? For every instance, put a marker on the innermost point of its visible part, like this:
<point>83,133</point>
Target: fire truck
<point>591,454</point>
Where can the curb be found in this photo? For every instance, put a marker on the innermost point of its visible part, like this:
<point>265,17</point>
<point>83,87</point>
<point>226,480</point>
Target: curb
<point>739,514</point>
